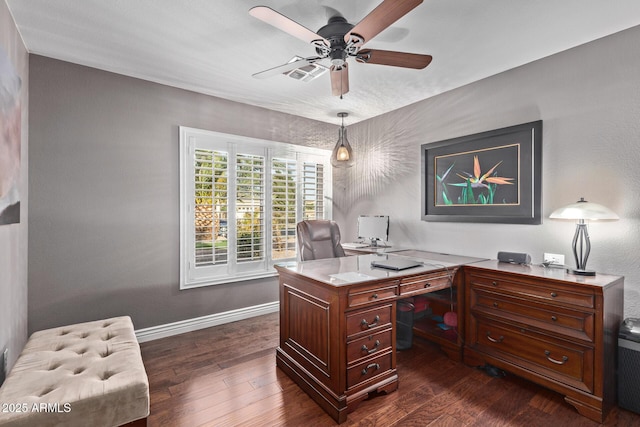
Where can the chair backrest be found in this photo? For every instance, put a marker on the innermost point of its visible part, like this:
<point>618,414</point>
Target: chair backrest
<point>319,239</point>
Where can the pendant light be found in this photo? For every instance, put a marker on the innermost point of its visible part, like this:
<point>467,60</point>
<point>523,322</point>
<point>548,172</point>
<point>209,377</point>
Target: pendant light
<point>342,155</point>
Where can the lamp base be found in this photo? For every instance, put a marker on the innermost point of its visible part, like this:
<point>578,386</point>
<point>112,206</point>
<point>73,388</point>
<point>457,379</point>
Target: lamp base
<point>578,272</point>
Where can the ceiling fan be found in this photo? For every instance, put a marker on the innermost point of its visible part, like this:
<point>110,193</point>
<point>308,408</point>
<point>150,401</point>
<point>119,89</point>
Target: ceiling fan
<point>339,40</point>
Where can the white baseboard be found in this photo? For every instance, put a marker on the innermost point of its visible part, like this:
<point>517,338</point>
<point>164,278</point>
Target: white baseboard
<point>189,325</point>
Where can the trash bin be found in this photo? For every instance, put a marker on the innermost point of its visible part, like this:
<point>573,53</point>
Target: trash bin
<point>629,365</point>
<point>404,324</point>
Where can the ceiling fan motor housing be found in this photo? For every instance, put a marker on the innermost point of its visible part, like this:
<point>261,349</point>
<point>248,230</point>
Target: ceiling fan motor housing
<point>334,32</point>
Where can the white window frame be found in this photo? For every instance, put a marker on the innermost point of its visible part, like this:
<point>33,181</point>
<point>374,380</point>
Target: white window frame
<point>233,271</point>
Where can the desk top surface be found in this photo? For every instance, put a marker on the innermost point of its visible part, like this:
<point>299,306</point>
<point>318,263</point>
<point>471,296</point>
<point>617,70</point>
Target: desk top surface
<point>357,269</point>
<point>537,271</point>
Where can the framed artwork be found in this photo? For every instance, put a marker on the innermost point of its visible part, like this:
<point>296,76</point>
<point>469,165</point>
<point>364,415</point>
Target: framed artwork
<point>10,126</point>
<point>492,176</point>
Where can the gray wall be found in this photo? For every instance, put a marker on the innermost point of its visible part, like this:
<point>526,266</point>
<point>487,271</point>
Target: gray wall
<point>104,177</point>
<point>13,238</point>
<point>589,101</point>
<point>104,220</point>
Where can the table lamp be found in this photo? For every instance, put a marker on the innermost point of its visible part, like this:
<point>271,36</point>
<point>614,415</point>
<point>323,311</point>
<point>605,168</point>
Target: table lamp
<point>583,211</point>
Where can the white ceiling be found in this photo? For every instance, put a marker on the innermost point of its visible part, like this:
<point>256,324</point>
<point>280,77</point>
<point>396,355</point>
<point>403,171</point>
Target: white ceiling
<point>214,47</point>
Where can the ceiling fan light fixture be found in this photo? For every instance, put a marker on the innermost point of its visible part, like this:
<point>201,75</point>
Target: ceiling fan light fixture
<point>342,155</point>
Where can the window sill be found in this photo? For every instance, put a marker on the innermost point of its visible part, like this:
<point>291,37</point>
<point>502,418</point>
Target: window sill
<point>221,280</point>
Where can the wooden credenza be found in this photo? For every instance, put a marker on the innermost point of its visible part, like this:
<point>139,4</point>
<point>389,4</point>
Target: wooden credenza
<point>553,328</point>
<point>338,323</point>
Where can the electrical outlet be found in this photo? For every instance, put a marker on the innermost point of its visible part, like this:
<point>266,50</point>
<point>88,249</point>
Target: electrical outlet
<point>554,259</point>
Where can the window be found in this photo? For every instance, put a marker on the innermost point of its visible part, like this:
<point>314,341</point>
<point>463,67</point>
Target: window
<point>240,201</point>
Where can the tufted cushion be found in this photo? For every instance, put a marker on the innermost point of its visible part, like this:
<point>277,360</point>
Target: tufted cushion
<point>89,374</point>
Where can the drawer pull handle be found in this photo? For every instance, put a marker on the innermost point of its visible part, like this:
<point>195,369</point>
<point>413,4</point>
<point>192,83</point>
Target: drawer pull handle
<point>494,283</point>
<point>373,350</point>
<point>554,318</point>
<point>495,304</point>
<point>426,285</point>
<point>500,338</point>
<point>557,362</point>
<point>368,325</point>
<point>553,295</point>
<point>375,366</point>
<point>374,296</point>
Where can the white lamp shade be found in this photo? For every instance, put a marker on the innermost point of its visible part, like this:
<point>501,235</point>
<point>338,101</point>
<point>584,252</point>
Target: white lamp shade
<point>585,210</point>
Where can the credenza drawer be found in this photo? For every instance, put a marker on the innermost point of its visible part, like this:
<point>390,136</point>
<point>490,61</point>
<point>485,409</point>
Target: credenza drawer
<point>371,319</point>
<point>369,345</point>
<point>554,294</point>
<point>369,295</point>
<point>559,320</point>
<point>369,369</point>
<point>560,360</point>
<point>418,284</point>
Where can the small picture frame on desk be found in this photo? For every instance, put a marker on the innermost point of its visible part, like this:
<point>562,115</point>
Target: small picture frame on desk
<point>492,176</point>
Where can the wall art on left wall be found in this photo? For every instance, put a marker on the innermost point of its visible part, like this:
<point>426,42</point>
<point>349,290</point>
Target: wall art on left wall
<point>10,127</point>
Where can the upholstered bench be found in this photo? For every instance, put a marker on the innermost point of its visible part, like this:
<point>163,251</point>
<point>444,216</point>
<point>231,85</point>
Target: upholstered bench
<point>89,374</point>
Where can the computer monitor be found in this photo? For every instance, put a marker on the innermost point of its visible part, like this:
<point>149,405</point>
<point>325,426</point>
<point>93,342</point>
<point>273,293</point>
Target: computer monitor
<point>373,228</point>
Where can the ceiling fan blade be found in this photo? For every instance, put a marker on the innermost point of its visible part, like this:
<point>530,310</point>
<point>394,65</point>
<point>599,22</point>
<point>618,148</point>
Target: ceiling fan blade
<point>396,59</point>
<point>339,80</point>
<point>285,24</point>
<point>385,14</point>
<point>284,68</point>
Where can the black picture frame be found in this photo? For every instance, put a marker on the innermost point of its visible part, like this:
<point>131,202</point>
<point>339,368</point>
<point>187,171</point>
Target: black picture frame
<point>493,176</point>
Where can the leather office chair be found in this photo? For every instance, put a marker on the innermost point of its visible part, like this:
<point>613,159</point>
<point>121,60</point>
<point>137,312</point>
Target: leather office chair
<point>319,239</point>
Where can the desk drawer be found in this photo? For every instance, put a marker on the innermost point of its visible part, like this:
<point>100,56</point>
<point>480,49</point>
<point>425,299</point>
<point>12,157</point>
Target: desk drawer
<point>366,320</point>
<point>368,369</point>
<point>556,294</point>
<point>418,284</point>
<point>368,345</point>
<point>560,320</point>
<point>369,295</point>
<point>560,360</point>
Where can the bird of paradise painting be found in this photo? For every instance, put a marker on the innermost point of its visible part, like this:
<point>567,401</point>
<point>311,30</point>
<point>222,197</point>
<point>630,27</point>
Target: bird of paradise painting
<point>492,176</point>
<point>460,179</point>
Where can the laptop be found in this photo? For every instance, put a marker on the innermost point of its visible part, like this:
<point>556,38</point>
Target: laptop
<point>396,264</point>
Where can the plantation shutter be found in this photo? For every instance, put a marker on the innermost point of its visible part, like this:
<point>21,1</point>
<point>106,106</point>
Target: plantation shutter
<point>283,208</point>
<point>250,207</point>
<point>210,207</point>
<point>313,191</point>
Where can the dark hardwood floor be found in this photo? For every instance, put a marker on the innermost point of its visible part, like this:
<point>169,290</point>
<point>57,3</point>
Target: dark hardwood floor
<point>227,376</point>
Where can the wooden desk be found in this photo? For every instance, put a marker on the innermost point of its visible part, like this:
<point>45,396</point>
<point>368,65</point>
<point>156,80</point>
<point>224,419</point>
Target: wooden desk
<point>337,323</point>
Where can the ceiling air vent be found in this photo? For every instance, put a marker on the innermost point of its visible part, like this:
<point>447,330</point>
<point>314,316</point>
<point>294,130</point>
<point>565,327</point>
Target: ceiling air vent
<point>306,73</point>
